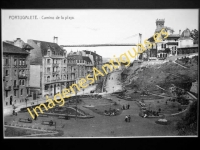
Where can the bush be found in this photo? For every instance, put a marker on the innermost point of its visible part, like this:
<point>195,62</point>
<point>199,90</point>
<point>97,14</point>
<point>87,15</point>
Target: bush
<point>115,103</point>
<point>188,123</point>
<point>179,109</point>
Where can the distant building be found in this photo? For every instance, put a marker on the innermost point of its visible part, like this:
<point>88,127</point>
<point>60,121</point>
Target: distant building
<point>16,74</point>
<point>84,62</point>
<point>186,43</point>
<point>174,44</point>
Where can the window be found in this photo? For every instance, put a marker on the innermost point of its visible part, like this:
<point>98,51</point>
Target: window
<point>48,53</point>
<point>20,82</point>
<point>64,61</point>
<point>21,92</point>
<point>6,93</point>
<point>15,82</point>
<point>23,82</point>
<point>7,73</point>
<point>23,62</point>
<point>20,62</point>
<point>20,72</point>
<point>15,72</point>
<point>15,62</point>
<point>48,61</point>
<point>48,79</point>
<point>15,92</point>
<point>48,70</point>
<point>23,73</point>
<point>7,62</point>
<point>46,87</point>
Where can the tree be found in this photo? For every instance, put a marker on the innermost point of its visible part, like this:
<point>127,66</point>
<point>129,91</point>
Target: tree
<point>167,50</point>
<point>195,35</point>
<point>188,124</point>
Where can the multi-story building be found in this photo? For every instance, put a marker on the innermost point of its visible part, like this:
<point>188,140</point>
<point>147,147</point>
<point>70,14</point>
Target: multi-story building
<point>96,60</point>
<point>174,44</point>
<point>48,65</point>
<point>16,75</point>
<point>186,43</point>
<point>82,65</point>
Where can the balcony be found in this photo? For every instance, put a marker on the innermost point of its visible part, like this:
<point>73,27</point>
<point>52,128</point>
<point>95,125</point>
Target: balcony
<point>56,72</point>
<point>6,78</point>
<point>7,88</point>
<point>22,66</point>
<point>47,73</point>
<point>55,65</point>
<point>22,76</point>
<point>16,87</point>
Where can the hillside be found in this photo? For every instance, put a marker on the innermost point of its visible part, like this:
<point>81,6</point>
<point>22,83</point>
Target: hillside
<point>164,74</point>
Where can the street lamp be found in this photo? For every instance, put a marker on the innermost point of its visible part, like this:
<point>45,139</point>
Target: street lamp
<point>113,89</point>
<point>26,99</point>
<point>83,91</point>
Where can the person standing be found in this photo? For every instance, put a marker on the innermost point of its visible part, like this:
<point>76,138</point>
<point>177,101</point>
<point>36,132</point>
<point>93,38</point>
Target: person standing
<point>128,106</point>
<point>129,118</point>
<point>126,118</point>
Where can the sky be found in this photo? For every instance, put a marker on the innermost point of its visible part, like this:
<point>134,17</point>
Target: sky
<point>94,26</point>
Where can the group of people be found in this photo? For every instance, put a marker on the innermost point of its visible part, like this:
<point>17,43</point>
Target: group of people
<point>125,107</point>
<point>128,118</point>
<point>14,113</point>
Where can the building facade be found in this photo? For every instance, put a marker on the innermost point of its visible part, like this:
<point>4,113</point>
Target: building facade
<point>173,45</point>
<point>51,61</point>
<point>16,75</point>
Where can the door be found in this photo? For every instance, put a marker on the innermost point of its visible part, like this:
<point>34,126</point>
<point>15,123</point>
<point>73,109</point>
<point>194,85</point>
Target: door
<point>34,96</point>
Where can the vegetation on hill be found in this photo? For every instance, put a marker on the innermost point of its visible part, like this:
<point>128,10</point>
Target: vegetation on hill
<point>163,75</point>
<point>188,123</point>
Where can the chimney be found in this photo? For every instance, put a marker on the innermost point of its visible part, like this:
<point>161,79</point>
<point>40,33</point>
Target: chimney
<point>55,40</point>
<point>179,32</point>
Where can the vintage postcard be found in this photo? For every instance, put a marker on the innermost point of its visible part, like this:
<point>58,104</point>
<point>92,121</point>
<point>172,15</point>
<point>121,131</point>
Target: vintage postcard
<point>86,73</point>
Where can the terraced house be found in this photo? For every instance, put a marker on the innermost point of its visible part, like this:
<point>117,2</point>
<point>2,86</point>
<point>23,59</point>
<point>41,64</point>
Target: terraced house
<point>49,67</point>
<point>82,65</point>
<point>16,75</point>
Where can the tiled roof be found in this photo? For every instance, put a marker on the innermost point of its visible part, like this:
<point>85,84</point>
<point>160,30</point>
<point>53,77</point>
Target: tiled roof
<point>9,48</point>
<point>185,38</point>
<point>174,35</point>
<point>27,46</point>
<point>46,45</point>
<point>92,53</point>
<point>86,59</point>
<point>172,43</point>
<point>76,57</point>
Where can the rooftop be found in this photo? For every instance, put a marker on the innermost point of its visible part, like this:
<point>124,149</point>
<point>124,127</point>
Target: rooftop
<point>9,48</point>
<point>49,45</point>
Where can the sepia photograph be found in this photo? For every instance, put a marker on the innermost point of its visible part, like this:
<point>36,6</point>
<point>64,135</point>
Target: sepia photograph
<point>99,73</point>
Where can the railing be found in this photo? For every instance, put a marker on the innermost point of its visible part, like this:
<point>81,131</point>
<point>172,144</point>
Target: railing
<point>22,76</point>
<point>7,88</point>
<point>22,66</point>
